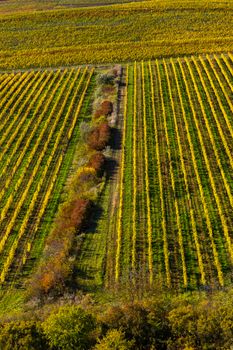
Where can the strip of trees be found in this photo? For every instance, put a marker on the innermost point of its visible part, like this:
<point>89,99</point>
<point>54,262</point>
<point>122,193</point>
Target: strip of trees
<point>55,271</point>
<point>193,321</point>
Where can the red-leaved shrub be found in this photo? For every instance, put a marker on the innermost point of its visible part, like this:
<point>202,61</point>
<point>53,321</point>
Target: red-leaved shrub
<point>99,137</point>
<point>56,267</point>
<point>97,162</point>
<point>74,214</point>
<point>105,109</point>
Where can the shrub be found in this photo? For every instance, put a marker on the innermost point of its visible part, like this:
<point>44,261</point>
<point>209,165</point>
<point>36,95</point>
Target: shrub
<point>105,79</point>
<point>70,328</point>
<point>74,214</point>
<point>86,174</point>
<point>204,325</point>
<point>132,320</point>
<point>117,70</point>
<point>109,90</point>
<point>53,276</point>
<point>22,335</point>
<point>98,113</point>
<point>107,107</point>
<point>85,179</point>
<point>59,239</point>
<point>114,340</point>
<point>84,130</point>
<point>97,162</point>
<point>56,269</point>
<point>99,137</point>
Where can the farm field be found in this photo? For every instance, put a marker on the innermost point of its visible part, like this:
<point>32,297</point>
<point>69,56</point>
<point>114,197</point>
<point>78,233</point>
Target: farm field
<point>20,6</point>
<point>40,113</point>
<point>173,221</point>
<point>112,33</point>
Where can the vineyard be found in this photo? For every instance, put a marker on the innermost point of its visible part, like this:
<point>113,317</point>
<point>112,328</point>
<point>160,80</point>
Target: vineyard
<point>167,212</point>
<point>116,31</point>
<point>116,174</point>
<point>40,113</point>
<point>173,223</point>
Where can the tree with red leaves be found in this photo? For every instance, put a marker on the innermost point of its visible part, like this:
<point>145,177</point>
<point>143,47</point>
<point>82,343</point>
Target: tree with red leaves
<point>99,137</point>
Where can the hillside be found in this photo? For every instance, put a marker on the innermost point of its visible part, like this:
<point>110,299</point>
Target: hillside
<point>116,174</point>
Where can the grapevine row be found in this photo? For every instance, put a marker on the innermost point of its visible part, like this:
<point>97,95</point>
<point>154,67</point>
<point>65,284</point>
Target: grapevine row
<point>212,181</point>
<point>19,120</point>
<point>162,204</point>
<point>51,182</point>
<point>220,82</point>
<point>134,167</point>
<point>31,157</point>
<point>32,176</point>
<point>23,134</point>
<point>215,92</point>
<point>206,212</point>
<point>10,87</point>
<point>149,225</point>
<point>121,186</point>
<point>5,82</point>
<point>224,73</point>
<point>193,222</point>
<point>185,278</point>
<point>11,104</point>
<point>227,63</point>
<point>227,187</point>
<point>43,177</point>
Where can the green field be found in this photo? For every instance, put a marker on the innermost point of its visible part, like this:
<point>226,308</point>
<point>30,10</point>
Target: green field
<point>173,223</point>
<point>117,33</point>
<point>40,113</point>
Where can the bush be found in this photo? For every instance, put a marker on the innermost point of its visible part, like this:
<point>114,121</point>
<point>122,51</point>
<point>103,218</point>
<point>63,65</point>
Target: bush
<point>52,276</point>
<point>56,268</point>
<point>74,214</point>
<point>70,328</point>
<point>105,109</point>
<point>206,325</point>
<point>98,114</point>
<point>84,130</point>
<point>97,162</point>
<point>105,79</point>
<point>109,90</point>
<point>22,335</point>
<point>86,174</point>
<point>99,137</point>
<point>114,340</point>
<point>85,179</point>
<point>132,320</point>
